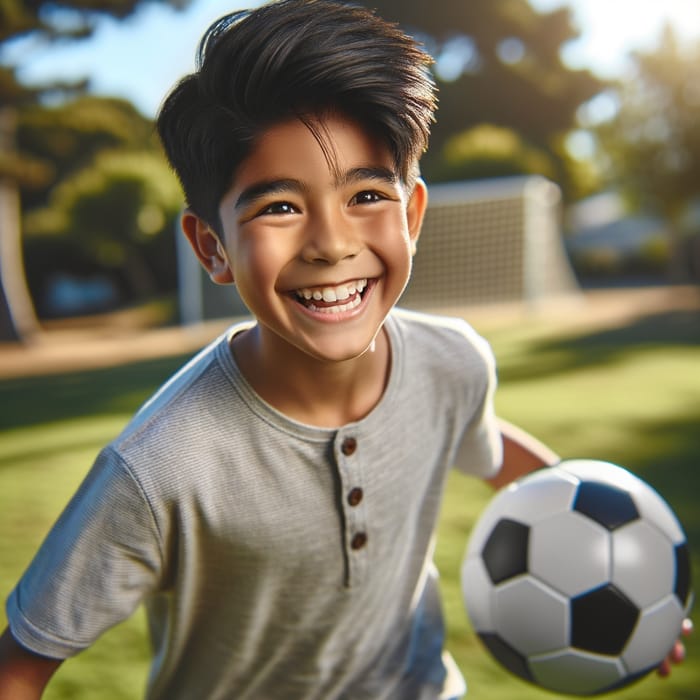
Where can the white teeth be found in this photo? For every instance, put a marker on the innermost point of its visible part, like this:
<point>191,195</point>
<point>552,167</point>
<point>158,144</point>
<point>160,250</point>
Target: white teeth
<point>332,294</point>
<point>356,301</point>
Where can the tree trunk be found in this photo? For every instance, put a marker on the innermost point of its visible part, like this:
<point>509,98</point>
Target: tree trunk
<point>17,316</point>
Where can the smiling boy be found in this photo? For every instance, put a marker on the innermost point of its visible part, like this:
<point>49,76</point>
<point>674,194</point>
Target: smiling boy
<point>274,504</point>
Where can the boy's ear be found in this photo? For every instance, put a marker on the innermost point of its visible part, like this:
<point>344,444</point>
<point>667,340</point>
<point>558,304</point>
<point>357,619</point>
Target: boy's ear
<point>417,204</point>
<point>207,247</point>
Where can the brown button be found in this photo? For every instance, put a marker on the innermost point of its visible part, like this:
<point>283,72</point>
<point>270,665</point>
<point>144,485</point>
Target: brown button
<point>355,496</point>
<point>359,540</point>
<point>349,446</point>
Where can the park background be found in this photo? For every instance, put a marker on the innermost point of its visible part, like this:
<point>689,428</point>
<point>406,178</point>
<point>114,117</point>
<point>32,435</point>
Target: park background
<point>89,318</point>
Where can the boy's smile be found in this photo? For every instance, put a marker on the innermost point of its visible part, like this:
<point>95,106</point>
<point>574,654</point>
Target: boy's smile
<point>341,298</point>
<point>318,236</point>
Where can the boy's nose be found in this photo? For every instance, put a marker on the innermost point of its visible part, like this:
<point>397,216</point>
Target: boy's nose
<point>330,240</point>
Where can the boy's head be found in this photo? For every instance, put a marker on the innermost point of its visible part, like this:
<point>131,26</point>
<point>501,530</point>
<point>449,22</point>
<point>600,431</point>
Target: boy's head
<point>293,58</point>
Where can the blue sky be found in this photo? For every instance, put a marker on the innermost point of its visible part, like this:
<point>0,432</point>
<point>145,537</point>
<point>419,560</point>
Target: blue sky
<point>140,58</point>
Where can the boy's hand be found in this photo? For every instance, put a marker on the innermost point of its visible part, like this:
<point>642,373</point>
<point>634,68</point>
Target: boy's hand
<point>677,654</point>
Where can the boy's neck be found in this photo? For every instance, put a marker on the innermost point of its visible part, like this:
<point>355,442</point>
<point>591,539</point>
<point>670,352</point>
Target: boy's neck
<point>324,394</point>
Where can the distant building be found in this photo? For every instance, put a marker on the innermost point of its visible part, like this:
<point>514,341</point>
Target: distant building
<point>604,241</point>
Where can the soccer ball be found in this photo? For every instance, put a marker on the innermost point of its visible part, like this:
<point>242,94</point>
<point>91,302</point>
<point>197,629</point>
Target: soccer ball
<point>577,577</point>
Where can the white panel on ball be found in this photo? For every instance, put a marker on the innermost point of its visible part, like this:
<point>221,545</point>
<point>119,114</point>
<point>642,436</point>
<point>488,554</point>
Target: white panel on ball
<point>553,495</point>
<point>643,563</point>
<point>602,472</point>
<point>587,673</point>
<point>570,569</point>
<point>530,616</point>
<point>657,630</point>
<point>653,508</point>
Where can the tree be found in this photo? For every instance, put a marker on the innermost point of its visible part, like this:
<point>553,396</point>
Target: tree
<point>100,216</point>
<point>66,138</point>
<point>48,20</point>
<point>119,213</point>
<point>498,64</point>
<point>17,317</point>
<point>652,145</point>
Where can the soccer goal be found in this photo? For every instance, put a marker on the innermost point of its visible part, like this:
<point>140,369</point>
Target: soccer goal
<point>491,241</point>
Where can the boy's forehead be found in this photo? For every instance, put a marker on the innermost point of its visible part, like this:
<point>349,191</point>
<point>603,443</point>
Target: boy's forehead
<point>348,149</point>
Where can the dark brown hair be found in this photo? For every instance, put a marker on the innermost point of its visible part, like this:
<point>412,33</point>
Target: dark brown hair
<point>303,58</point>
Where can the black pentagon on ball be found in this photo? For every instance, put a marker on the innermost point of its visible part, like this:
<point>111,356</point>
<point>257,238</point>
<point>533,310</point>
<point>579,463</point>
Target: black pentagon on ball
<point>682,586</point>
<point>505,551</point>
<point>602,620</point>
<point>511,659</point>
<point>609,506</point>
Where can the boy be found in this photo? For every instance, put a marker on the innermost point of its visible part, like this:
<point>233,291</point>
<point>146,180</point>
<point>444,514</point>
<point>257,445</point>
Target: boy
<point>273,505</point>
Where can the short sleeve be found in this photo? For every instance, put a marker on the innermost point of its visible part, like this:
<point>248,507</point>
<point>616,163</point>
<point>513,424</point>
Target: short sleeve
<point>96,565</point>
<point>480,451</point>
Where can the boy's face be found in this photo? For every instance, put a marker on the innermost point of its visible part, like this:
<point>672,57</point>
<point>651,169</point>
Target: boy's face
<point>320,251</point>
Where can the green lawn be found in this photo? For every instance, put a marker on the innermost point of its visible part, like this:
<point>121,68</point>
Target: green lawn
<point>630,395</point>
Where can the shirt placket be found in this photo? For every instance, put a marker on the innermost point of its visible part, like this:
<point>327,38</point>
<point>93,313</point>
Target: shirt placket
<point>353,504</point>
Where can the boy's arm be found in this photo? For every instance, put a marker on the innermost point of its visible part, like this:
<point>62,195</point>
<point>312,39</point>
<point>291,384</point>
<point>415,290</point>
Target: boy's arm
<point>23,674</point>
<point>522,454</point>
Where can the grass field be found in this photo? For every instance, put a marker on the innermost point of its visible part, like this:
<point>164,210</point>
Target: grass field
<point>629,394</point>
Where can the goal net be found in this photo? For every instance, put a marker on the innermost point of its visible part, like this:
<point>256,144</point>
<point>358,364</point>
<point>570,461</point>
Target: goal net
<point>490,241</point>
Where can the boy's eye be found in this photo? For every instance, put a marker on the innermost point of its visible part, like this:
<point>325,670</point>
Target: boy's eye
<point>279,208</point>
<point>367,197</point>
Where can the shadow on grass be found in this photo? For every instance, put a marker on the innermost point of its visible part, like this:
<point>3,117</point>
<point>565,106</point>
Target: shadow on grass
<point>566,352</point>
<point>120,389</point>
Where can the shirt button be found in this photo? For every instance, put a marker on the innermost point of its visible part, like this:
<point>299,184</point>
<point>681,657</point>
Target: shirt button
<point>359,540</point>
<point>349,446</point>
<point>355,496</point>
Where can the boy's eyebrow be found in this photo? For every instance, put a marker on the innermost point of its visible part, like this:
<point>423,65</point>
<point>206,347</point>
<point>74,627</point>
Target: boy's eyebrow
<point>258,190</point>
<point>374,172</point>
<point>263,189</point>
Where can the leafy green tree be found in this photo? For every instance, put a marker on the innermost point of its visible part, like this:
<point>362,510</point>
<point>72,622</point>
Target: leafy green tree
<point>498,64</point>
<point>66,138</point>
<point>119,213</point>
<point>92,213</point>
<point>49,21</point>
<point>652,146</point>
<point>490,151</point>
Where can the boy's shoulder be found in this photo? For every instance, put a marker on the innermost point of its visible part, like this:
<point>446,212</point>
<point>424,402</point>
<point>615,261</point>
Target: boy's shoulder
<point>444,351</point>
<point>190,394</point>
<point>436,332</point>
